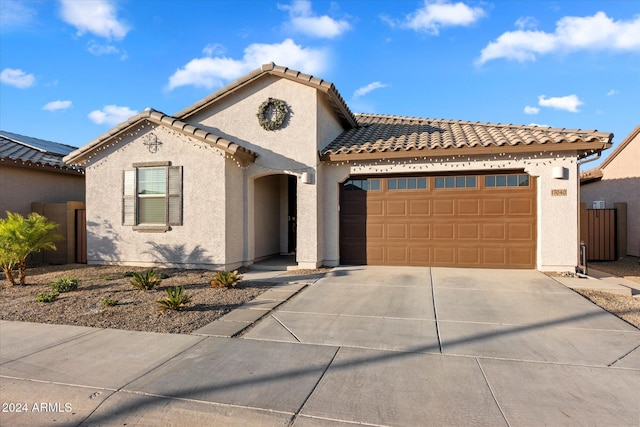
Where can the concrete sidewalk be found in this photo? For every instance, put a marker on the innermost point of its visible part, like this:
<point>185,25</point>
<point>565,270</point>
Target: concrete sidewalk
<point>361,346</point>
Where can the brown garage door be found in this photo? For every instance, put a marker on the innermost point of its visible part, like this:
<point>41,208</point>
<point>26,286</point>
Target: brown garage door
<point>464,221</point>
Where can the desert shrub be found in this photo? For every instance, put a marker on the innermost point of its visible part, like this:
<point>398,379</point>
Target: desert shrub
<point>106,277</point>
<point>128,274</point>
<point>42,297</point>
<point>176,299</point>
<point>109,302</point>
<point>224,279</point>
<point>145,280</point>
<point>64,284</point>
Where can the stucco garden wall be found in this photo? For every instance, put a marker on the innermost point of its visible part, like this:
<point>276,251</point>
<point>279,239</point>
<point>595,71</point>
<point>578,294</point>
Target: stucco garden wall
<point>557,228</point>
<point>198,243</point>
<point>22,186</point>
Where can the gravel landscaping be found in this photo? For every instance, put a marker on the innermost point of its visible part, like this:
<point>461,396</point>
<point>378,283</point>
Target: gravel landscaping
<point>136,310</point>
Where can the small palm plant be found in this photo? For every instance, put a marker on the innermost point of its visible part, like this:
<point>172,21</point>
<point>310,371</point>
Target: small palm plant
<point>224,279</point>
<point>175,300</point>
<point>146,280</point>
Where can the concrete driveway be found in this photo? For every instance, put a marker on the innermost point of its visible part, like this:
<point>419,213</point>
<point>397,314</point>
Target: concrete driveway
<point>377,346</point>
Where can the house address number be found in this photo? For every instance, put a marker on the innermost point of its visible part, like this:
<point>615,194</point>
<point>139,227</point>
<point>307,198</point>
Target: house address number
<point>559,192</point>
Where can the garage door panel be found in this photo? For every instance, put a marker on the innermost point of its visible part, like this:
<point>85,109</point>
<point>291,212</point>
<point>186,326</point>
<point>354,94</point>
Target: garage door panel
<point>468,207</point>
<point>492,227</point>
<point>468,231</point>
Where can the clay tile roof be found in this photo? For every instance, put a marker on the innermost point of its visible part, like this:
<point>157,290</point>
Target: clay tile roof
<point>334,98</point>
<point>33,152</point>
<point>397,136</point>
<point>82,154</point>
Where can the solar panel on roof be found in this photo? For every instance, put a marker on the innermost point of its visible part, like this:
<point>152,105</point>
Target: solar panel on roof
<point>39,144</point>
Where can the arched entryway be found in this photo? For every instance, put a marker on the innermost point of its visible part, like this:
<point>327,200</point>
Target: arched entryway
<point>275,200</point>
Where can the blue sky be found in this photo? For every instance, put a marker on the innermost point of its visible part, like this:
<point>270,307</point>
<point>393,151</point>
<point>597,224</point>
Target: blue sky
<point>71,70</point>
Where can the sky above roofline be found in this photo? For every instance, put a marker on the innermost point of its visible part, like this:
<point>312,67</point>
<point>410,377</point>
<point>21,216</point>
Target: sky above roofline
<point>71,70</point>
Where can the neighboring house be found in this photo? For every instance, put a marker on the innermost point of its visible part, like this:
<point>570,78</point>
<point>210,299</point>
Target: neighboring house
<point>34,178</point>
<point>617,180</point>
<point>276,163</point>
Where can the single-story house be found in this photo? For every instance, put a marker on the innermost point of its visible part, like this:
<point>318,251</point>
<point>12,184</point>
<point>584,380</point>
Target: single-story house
<point>617,181</point>
<point>276,163</point>
<point>34,178</point>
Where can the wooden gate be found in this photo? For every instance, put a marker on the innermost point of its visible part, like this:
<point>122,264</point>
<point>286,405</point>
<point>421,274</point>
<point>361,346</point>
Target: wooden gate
<point>601,235</point>
<point>81,236</point>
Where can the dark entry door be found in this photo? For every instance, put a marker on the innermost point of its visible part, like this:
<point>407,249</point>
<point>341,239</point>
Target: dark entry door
<point>292,213</point>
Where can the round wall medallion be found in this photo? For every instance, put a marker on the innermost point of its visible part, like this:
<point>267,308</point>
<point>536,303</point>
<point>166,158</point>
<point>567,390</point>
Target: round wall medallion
<point>272,114</point>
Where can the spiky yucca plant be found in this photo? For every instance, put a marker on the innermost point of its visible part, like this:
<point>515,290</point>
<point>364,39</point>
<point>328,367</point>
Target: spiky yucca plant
<point>175,300</point>
<point>224,279</point>
<point>146,280</point>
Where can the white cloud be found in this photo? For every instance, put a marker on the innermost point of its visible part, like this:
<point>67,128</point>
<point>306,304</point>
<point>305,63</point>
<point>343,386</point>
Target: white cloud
<point>57,105</point>
<point>612,92</point>
<point>213,72</point>
<point>14,14</point>
<point>567,103</point>
<point>368,88</point>
<point>531,110</point>
<point>17,78</point>
<point>526,22</point>
<point>214,49</point>
<point>303,20</point>
<point>440,13</point>
<point>597,32</point>
<point>111,115</point>
<point>97,17</point>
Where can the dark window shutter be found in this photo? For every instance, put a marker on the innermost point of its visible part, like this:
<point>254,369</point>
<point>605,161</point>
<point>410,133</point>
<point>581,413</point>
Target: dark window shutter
<point>129,197</point>
<point>174,195</point>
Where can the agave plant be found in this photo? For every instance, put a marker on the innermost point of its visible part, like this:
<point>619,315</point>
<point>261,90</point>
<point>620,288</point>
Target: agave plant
<point>176,299</point>
<point>224,279</point>
<point>146,280</point>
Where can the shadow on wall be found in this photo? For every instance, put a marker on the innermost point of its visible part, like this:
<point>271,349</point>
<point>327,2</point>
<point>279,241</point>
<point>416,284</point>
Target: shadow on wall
<point>102,242</point>
<point>178,254</point>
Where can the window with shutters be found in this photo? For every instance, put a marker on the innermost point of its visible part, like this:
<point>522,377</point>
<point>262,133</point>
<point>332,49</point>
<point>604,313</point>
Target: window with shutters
<point>152,196</point>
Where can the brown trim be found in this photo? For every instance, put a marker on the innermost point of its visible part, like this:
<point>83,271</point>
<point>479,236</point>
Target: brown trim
<point>41,167</point>
<point>583,148</point>
<point>150,164</point>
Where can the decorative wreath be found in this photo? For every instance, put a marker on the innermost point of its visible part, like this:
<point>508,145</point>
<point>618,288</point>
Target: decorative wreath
<point>272,113</point>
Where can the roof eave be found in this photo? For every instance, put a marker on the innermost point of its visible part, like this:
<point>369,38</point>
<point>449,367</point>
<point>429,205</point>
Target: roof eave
<point>582,149</point>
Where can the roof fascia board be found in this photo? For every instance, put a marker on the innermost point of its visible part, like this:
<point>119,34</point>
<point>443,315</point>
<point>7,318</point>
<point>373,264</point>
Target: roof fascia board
<point>241,154</point>
<point>41,166</point>
<point>582,148</point>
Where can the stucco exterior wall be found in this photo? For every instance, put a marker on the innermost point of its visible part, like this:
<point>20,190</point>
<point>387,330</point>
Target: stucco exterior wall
<point>267,216</point>
<point>198,243</point>
<point>557,228</point>
<point>620,183</point>
<point>291,150</point>
<point>19,187</point>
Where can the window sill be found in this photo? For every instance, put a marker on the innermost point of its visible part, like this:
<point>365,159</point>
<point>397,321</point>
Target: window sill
<point>151,228</point>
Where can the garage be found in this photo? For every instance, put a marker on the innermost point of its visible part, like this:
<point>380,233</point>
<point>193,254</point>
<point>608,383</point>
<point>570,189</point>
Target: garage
<point>485,220</point>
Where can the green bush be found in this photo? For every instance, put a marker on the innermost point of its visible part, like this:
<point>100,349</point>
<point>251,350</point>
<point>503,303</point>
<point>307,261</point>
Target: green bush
<point>65,284</point>
<point>224,279</point>
<point>42,297</point>
<point>109,302</point>
<point>176,299</point>
<point>146,280</point>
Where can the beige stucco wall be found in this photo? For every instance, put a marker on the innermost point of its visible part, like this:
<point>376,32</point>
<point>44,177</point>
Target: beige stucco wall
<point>557,230</point>
<point>19,187</point>
<point>620,184</point>
<point>198,243</point>
<point>290,150</point>
<point>267,216</point>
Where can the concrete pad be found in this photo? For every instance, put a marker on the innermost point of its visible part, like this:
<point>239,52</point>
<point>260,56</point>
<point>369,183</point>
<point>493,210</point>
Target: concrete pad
<point>385,276</point>
<point>548,394</point>
<point>270,329</point>
<point>220,328</point>
<point>630,360</point>
<point>45,404</point>
<point>543,344</point>
<point>594,284</point>
<point>275,295</point>
<point>403,389</point>
<point>543,309</point>
<point>520,281</point>
<point>411,302</point>
<point>260,305</point>
<point>129,409</point>
<point>27,338</point>
<point>107,358</point>
<point>257,374</point>
<point>242,315</point>
<point>352,331</point>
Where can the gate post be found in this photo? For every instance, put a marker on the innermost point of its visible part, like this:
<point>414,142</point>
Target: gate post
<point>621,227</point>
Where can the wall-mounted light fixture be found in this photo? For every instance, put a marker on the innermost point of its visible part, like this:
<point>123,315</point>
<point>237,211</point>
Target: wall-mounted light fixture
<point>559,172</point>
